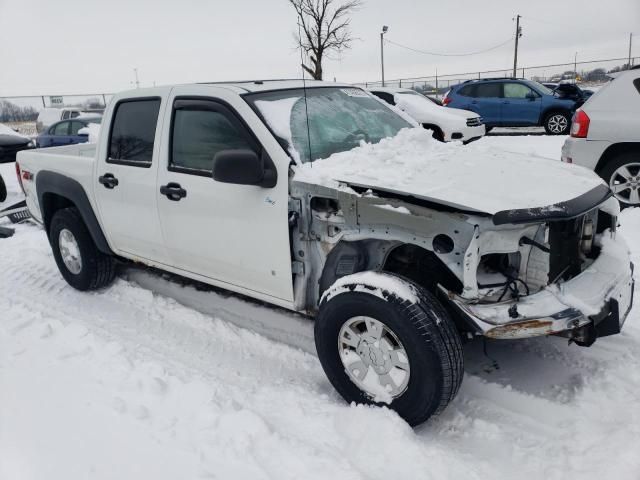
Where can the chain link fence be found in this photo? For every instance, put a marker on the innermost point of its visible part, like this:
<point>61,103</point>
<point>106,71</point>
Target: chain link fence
<point>584,73</point>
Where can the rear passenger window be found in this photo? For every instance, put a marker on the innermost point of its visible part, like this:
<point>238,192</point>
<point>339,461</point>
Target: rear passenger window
<point>133,131</point>
<point>488,90</point>
<point>200,130</point>
<point>467,91</point>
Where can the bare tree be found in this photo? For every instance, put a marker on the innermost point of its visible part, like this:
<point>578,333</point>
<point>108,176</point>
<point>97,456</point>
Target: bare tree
<point>324,26</point>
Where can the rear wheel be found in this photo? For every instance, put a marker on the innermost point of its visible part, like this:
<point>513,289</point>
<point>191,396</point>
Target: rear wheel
<point>557,123</point>
<point>82,265</point>
<point>622,174</point>
<point>391,344</point>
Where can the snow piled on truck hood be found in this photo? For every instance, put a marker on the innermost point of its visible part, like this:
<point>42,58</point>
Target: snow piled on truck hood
<point>470,177</point>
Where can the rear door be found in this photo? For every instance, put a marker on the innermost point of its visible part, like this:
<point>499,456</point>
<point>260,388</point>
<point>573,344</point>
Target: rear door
<point>126,179</point>
<point>520,105</point>
<point>235,236</point>
<point>486,101</point>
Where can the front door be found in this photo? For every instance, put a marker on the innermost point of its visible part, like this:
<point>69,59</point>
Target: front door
<point>236,236</point>
<point>125,183</point>
<point>520,105</point>
<point>60,135</point>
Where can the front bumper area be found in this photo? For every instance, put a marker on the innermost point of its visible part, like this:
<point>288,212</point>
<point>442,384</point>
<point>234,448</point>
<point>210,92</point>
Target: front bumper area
<point>602,292</point>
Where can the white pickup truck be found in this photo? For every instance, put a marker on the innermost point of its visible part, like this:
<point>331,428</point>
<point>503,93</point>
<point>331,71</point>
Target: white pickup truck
<point>321,199</point>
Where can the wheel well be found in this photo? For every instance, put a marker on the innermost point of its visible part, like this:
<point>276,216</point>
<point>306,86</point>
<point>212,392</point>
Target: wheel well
<point>51,203</point>
<point>415,263</point>
<point>437,131</point>
<point>615,150</point>
<point>422,266</point>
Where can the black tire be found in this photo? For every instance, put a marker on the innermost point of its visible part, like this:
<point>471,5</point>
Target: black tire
<point>429,336</point>
<point>3,190</point>
<point>98,269</point>
<point>551,126</point>
<point>607,171</point>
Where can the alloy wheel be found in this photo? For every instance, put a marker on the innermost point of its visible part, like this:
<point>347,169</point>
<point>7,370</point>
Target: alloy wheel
<point>625,183</point>
<point>557,123</point>
<point>373,357</point>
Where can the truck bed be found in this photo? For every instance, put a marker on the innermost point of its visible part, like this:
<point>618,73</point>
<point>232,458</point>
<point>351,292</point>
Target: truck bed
<point>73,161</point>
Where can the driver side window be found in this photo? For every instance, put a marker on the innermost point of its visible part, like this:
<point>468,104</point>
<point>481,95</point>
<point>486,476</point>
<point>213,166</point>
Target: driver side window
<point>200,130</point>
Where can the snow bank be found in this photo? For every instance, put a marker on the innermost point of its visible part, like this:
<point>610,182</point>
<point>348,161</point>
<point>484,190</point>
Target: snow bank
<point>472,177</point>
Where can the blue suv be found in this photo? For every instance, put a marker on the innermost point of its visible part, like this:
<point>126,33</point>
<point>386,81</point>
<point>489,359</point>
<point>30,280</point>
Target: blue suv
<point>513,102</point>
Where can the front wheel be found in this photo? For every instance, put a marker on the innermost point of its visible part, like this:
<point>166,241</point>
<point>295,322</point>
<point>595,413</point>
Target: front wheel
<point>622,174</point>
<point>82,265</point>
<point>384,340</point>
<point>557,123</point>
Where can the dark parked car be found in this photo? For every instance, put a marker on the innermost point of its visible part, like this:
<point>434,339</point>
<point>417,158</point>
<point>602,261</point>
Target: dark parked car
<point>11,142</point>
<point>66,132</point>
<point>513,102</point>
<point>569,90</point>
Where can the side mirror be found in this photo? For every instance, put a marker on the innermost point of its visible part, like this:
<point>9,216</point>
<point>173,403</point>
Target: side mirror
<point>531,96</point>
<point>244,167</point>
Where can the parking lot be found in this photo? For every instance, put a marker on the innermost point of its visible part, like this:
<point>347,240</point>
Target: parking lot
<point>126,382</point>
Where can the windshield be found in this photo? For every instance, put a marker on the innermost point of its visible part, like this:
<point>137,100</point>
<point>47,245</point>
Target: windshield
<point>539,87</point>
<point>338,120</point>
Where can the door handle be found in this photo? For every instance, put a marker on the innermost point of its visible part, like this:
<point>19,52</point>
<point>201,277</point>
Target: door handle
<point>108,180</point>
<point>173,191</point>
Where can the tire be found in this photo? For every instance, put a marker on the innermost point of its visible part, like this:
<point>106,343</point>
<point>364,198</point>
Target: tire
<point>557,123</point>
<point>3,190</point>
<point>422,327</point>
<point>94,269</point>
<point>614,172</point>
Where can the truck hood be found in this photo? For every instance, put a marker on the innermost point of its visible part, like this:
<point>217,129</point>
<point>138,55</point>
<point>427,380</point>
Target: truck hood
<point>473,178</point>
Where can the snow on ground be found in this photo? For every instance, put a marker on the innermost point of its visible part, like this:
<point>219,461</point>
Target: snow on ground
<point>126,383</point>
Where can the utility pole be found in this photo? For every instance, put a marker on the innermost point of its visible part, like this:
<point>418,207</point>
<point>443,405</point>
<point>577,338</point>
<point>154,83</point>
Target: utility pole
<point>575,68</point>
<point>135,71</point>
<point>515,53</point>
<point>630,40</point>
<point>384,30</point>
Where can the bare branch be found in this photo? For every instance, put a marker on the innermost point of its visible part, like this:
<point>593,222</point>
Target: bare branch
<point>325,29</point>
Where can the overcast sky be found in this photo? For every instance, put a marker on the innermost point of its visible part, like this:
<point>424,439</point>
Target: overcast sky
<point>91,46</point>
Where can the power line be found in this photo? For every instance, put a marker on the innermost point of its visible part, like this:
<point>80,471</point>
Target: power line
<point>437,54</point>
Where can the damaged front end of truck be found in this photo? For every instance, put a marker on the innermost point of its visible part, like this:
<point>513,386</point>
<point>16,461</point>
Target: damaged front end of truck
<point>556,270</point>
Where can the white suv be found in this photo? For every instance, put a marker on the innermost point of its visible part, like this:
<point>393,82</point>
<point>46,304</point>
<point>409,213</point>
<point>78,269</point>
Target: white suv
<point>605,136</point>
<point>447,124</point>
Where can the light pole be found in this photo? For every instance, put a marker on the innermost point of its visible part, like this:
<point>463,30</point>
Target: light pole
<point>384,30</point>
<point>575,68</point>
